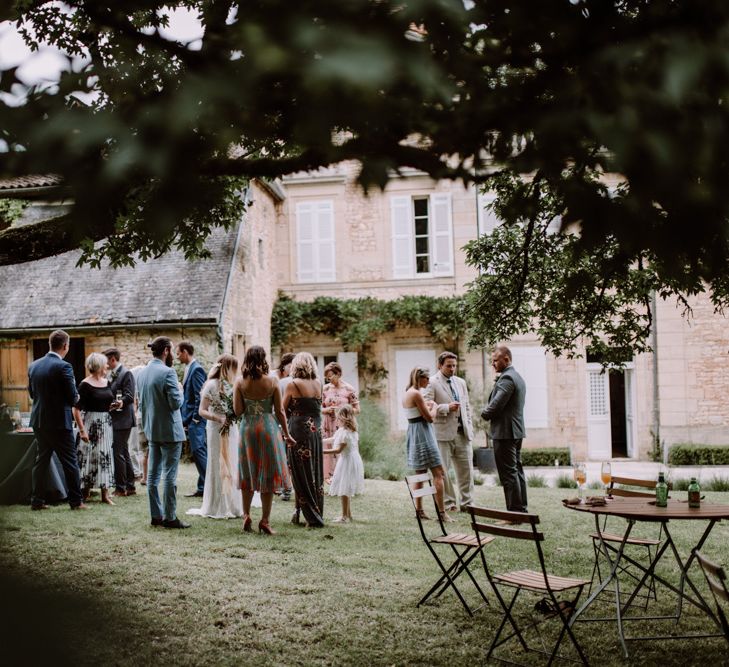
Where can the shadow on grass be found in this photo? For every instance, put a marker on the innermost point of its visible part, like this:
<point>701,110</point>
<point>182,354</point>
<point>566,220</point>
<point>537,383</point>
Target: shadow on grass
<point>42,624</point>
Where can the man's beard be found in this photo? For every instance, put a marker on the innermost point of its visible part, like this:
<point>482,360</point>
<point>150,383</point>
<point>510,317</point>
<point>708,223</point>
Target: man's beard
<point>169,359</point>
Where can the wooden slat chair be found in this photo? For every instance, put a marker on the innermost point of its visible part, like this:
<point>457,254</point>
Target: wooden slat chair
<point>716,578</point>
<point>534,581</point>
<point>611,539</point>
<point>465,547</point>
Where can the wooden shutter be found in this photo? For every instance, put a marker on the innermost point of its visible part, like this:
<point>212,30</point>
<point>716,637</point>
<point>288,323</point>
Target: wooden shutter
<point>403,245</point>
<point>315,249</point>
<point>326,265</point>
<point>306,261</point>
<point>531,363</point>
<point>441,252</point>
<point>487,219</point>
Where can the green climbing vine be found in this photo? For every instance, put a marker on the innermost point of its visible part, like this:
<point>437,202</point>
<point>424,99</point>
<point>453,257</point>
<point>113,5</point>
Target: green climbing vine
<point>11,210</point>
<point>358,323</point>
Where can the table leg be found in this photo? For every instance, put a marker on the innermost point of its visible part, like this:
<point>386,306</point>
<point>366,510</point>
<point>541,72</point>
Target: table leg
<point>611,577</point>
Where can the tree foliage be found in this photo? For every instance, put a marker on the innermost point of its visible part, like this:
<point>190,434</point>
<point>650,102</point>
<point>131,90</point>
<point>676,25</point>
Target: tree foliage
<point>552,97</point>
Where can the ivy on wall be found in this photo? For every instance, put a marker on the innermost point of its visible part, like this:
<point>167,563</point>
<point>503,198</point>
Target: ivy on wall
<point>358,323</point>
<point>11,210</point>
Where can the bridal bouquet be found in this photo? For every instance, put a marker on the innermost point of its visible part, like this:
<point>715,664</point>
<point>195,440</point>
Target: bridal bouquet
<point>226,400</point>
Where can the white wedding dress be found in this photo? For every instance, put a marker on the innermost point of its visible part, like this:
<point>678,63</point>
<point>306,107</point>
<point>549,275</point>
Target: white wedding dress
<point>222,496</point>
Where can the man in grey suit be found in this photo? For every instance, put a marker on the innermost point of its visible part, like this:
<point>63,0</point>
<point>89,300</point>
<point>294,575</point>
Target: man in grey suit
<point>453,429</point>
<point>160,398</point>
<point>505,411</point>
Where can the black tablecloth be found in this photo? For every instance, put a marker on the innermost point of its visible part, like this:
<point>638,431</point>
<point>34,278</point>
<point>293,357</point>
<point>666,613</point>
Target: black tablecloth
<point>17,455</point>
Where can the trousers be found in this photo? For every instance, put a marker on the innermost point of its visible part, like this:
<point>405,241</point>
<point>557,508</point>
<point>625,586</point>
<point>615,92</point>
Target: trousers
<point>507,454</point>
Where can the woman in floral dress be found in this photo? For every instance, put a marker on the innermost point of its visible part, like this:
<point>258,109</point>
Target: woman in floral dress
<point>222,497</point>
<point>302,402</point>
<point>96,433</point>
<point>262,460</point>
<point>335,394</point>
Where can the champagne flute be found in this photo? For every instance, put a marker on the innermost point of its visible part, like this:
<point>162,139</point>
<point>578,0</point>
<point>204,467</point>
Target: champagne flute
<point>580,477</point>
<point>606,476</point>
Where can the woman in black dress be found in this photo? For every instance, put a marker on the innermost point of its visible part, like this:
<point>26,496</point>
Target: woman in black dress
<point>302,402</point>
<point>95,456</point>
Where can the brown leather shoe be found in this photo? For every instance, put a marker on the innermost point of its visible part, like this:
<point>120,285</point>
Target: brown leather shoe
<point>118,493</point>
<point>82,506</point>
<point>131,492</point>
<point>40,507</point>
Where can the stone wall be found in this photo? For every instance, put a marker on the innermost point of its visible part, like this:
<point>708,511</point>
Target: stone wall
<point>253,285</point>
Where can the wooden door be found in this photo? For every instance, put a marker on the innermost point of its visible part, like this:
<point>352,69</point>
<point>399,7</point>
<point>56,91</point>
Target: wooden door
<point>14,373</point>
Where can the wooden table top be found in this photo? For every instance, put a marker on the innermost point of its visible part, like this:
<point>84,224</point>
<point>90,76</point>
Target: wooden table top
<point>643,509</point>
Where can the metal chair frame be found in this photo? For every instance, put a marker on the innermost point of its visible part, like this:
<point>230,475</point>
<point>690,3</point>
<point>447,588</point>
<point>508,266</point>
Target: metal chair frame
<point>650,545</point>
<point>535,581</point>
<point>716,578</point>
<point>465,547</point>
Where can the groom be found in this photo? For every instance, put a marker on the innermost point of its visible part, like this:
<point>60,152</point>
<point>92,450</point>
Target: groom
<point>192,384</point>
<point>160,399</point>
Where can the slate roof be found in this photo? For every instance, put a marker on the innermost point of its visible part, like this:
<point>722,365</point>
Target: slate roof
<point>55,293</point>
<point>36,181</point>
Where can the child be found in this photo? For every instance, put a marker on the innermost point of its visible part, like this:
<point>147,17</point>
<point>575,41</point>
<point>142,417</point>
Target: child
<point>348,478</point>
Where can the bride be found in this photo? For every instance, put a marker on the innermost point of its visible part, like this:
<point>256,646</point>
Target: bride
<point>221,498</point>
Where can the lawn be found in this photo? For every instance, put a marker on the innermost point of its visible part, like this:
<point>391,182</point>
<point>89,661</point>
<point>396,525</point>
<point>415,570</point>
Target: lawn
<point>103,587</point>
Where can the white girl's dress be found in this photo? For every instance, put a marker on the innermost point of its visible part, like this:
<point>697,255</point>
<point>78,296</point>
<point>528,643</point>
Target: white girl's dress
<point>348,478</point>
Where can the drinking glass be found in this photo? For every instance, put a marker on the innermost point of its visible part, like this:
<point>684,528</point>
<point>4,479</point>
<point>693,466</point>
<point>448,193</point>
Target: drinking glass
<point>119,399</point>
<point>606,475</point>
<point>580,477</point>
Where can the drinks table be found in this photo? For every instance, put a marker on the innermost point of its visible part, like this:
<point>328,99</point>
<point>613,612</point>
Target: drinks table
<point>635,510</point>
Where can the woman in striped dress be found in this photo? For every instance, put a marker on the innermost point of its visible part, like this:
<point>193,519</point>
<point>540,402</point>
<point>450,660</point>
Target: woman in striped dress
<point>96,433</point>
<point>422,447</point>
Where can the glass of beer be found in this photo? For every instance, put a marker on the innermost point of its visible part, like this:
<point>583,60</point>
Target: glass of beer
<point>606,476</point>
<point>580,477</point>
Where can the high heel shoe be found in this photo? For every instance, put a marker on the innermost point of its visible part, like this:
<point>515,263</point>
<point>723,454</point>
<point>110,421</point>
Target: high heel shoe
<point>264,528</point>
<point>247,524</point>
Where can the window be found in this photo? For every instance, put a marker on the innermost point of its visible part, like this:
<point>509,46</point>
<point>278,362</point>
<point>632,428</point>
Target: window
<point>422,236</point>
<point>531,363</point>
<point>315,242</point>
<point>488,221</point>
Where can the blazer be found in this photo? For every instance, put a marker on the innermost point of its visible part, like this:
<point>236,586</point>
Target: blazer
<point>505,409</point>
<point>446,422</point>
<point>52,387</point>
<point>123,382</point>
<point>196,378</point>
<point>160,400</point>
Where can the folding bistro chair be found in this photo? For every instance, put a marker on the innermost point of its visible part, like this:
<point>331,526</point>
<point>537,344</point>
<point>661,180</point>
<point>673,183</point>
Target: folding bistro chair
<point>716,578</point>
<point>534,581</point>
<point>609,540</point>
<point>465,547</point>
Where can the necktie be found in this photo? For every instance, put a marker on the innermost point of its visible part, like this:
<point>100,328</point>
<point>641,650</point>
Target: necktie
<point>452,387</point>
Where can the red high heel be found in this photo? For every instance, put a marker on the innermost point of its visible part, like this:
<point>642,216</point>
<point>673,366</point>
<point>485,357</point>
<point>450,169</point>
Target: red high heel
<point>247,527</point>
<point>264,528</point>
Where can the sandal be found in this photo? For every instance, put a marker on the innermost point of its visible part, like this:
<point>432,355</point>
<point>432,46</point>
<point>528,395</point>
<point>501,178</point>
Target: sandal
<point>420,514</point>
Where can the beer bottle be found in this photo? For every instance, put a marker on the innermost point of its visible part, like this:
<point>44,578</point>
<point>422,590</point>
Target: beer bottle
<point>661,491</point>
<point>694,494</point>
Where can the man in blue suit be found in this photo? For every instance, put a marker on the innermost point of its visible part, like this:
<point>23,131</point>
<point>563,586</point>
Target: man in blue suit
<point>160,399</point>
<point>52,387</point>
<point>505,411</point>
<point>192,384</point>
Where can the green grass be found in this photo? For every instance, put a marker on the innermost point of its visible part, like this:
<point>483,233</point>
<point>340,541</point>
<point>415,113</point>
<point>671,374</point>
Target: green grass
<point>105,588</point>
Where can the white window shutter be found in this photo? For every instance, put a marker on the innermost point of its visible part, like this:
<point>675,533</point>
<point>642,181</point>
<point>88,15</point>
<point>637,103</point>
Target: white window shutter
<point>403,245</point>
<point>554,225</point>
<point>487,219</point>
<point>531,363</point>
<point>350,371</point>
<point>325,233</point>
<point>306,261</point>
<point>442,234</point>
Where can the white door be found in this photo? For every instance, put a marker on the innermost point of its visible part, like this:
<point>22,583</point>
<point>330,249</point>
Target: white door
<point>599,440</point>
<point>629,412</point>
<point>405,361</point>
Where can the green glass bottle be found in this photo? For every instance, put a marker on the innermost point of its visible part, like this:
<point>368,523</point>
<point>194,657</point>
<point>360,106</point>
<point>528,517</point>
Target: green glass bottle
<point>694,494</point>
<point>661,491</point>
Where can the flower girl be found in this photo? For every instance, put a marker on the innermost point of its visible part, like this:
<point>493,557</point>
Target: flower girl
<point>348,478</point>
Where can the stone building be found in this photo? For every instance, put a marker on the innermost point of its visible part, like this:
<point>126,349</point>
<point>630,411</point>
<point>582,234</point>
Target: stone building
<point>334,241</point>
<point>221,303</point>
